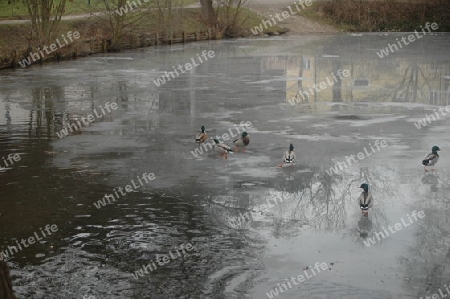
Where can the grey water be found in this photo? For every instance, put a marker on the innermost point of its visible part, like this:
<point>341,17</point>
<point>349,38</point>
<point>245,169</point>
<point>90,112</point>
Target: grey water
<point>295,217</point>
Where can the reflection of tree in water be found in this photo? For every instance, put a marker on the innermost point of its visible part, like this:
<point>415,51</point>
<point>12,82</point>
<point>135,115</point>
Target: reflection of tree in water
<point>326,203</point>
<point>431,179</point>
<point>411,87</point>
<point>337,86</point>
<point>311,200</point>
<point>8,115</point>
<point>315,200</point>
<point>381,187</point>
<point>427,267</point>
<point>42,113</point>
<point>49,112</point>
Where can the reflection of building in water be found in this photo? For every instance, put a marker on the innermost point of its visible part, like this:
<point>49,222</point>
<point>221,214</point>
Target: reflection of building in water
<point>370,80</point>
<point>300,73</point>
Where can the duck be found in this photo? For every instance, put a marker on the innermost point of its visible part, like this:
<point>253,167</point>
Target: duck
<point>289,157</point>
<point>241,142</point>
<point>365,199</point>
<point>432,158</point>
<point>202,136</point>
<point>222,149</point>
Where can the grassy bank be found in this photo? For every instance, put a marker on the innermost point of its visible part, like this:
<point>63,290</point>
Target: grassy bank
<point>14,9</point>
<point>368,16</point>
<point>142,30</point>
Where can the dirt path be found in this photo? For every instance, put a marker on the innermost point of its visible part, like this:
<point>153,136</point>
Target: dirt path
<point>297,24</point>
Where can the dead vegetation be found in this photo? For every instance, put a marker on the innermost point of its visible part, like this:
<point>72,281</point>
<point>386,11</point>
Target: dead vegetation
<point>387,15</point>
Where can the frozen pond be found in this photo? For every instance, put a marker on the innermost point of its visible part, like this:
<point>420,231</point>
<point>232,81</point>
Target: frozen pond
<point>291,218</point>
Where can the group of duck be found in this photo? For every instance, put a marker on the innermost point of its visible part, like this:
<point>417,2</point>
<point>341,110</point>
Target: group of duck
<point>365,199</point>
<point>240,144</point>
<point>221,148</point>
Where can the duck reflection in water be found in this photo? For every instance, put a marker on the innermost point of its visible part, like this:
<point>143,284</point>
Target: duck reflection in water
<point>364,226</point>
<point>431,179</point>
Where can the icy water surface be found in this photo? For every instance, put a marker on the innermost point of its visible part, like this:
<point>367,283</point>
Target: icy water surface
<point>252,226</point>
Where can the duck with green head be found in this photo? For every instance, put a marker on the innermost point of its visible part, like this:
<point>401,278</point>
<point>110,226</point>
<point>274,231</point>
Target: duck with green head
<point>431,159</point>
<point>222,149</point>
<point>289,157</point>
<point>365,199</point>
<point>242,142</point>
<point>202,136</point>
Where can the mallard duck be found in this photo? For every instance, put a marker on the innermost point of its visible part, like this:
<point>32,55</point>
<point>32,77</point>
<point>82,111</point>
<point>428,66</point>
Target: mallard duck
<point>222,149</point>
<point>365,199</point>
<point>432,158</point>
<point>202,136</point>
<point>289,157</point>
<point>242,142</point>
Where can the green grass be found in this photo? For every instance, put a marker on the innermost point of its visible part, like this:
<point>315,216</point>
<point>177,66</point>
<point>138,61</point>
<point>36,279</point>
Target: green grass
<point>16,10</point>
<point>16,36</point>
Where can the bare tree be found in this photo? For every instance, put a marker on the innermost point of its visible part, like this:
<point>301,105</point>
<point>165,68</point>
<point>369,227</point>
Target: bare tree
<point>208,12</point>
<point>122,15</point>
<point>227,12</point>
<point>169,13</point>
<point>6,291</point>
<point>45,17</point>
<point>116,19</point>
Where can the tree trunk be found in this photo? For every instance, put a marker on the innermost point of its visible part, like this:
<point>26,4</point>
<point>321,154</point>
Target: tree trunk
<point>116,21</point>
<point>208,13</point>
<point>6,291</point>
<point>45,18</point>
